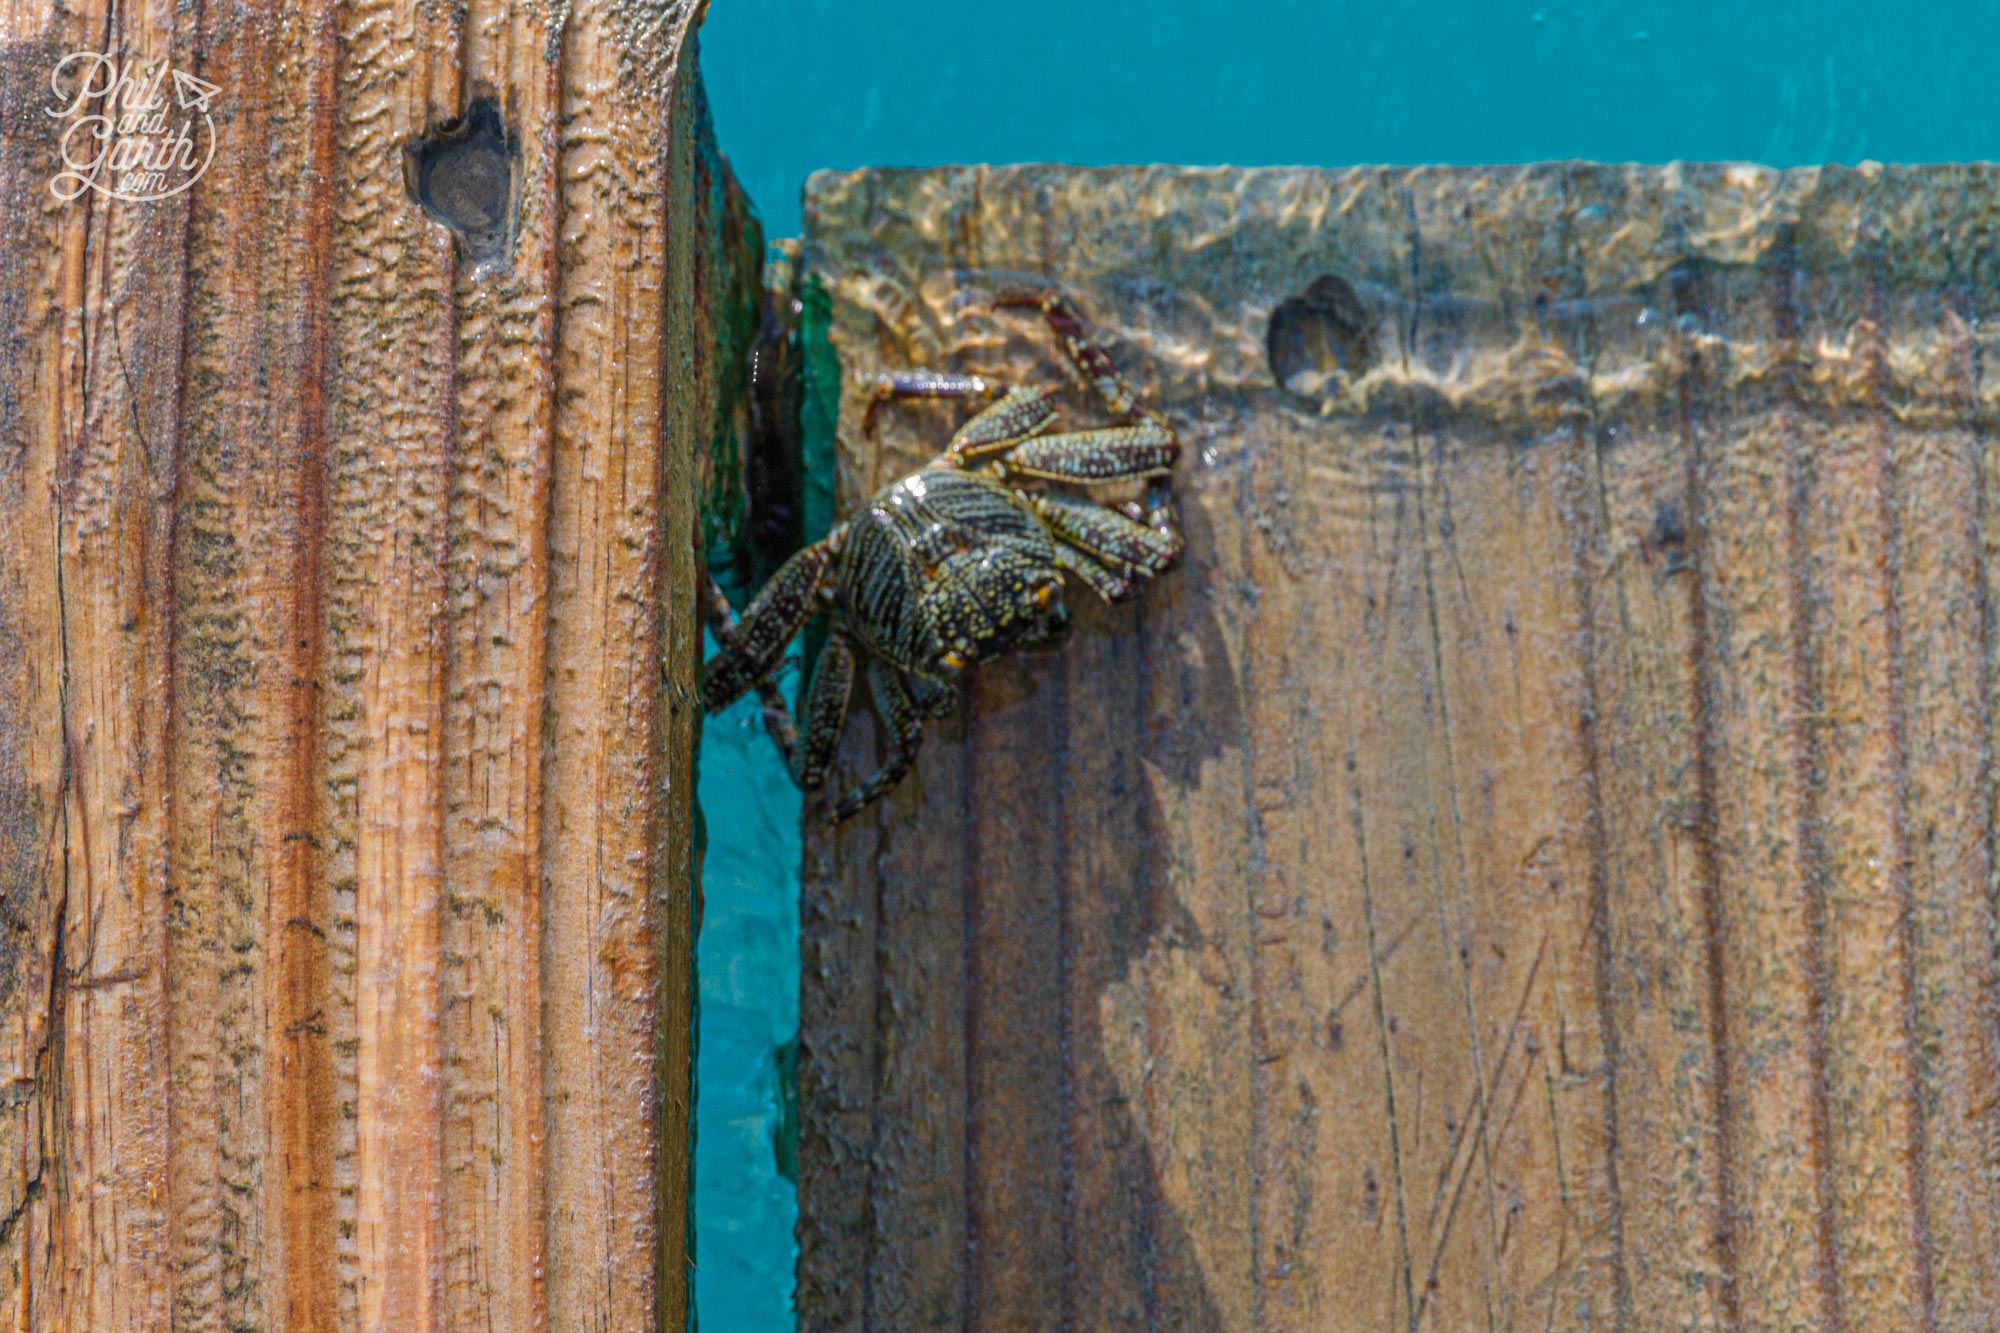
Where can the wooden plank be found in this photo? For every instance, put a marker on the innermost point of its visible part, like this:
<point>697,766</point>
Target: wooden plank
<point>1104,899</point>
<point>615,876</point>
<point>922,1075</point>
<point>389,430</point>
<point>92,460</point>
<point>1018,1165</point>
<point>495,676</point>
<point>1629,515</point>
<point>1528,867</point>
<point>1881,1214</point>
<point>331,547</point>
<point>1942,588</point>
<point>837,962</point>
<point>253,1111</point>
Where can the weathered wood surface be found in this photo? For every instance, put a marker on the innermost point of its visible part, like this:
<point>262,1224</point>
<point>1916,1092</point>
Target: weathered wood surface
<point>346,682</point>
<point>1533,866</point>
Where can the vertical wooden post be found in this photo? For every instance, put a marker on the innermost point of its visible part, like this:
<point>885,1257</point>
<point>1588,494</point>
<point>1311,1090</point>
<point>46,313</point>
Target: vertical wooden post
<point>1533,865</point>
<point>347,660</point>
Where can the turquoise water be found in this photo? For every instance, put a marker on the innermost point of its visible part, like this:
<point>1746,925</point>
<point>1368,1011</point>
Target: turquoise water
<point>796,85</point>
<point>747,960</point>
<point>802,84</point>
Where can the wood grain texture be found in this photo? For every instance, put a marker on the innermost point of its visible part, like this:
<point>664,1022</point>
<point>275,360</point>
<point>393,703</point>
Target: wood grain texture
<point>347,662</point>
<point>1532,866</point>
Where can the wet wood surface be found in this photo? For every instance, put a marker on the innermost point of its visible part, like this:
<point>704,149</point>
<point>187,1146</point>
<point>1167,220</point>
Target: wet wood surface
<point>1532,867</point>
<point>346,681</point>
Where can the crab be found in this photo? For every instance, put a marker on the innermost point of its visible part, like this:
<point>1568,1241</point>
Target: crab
<point>957,563</point>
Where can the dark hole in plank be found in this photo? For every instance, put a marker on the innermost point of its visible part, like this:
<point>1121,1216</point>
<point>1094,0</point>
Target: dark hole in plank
<point>464,175</point>
<point>1320,339</point>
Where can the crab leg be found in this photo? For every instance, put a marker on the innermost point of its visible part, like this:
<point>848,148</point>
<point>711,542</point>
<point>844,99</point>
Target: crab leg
<point>921,384</point>
<point>1093,573</point>
<point>826,710</point>
<point>1110,536</point>
<point>1023,414</point>
<point>777,717</point>
<point>905,724</point>
<point>1121,453</point>
<point>934,697</point>
<point>779,610</point>
<point>1158,513</point>
<point>1092,360</point>
<point>1052,456</point>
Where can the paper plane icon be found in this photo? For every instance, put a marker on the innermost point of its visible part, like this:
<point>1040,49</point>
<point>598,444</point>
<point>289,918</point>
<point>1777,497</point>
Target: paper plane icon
<point>193,92</point>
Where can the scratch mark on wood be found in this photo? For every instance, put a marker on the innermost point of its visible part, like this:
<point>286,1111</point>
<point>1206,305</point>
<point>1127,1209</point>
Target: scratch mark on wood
<point>1382,1049</point>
